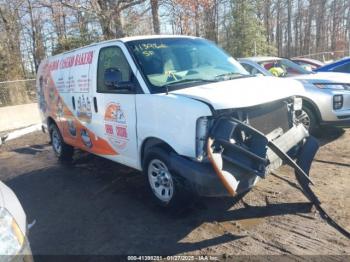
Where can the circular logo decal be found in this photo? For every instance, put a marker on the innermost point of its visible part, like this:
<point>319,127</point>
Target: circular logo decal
<point>116,128</point>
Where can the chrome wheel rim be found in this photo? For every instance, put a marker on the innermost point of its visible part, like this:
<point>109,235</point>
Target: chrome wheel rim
<point>304,118</point>
<point>160,180</point>
<point>56,142</point>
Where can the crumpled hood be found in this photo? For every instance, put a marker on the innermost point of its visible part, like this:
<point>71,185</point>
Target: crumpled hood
<point>324,77</point>
<point>243,92</point>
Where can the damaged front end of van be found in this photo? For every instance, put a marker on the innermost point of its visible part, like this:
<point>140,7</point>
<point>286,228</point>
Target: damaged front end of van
<point>237,147</point>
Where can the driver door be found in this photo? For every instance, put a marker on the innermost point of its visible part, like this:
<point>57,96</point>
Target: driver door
<point>114,113</point>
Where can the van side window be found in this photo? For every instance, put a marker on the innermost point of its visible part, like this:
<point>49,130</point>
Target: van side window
<point>112,57</point>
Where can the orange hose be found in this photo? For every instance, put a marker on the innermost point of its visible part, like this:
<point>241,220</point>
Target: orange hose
<point>217,169</point>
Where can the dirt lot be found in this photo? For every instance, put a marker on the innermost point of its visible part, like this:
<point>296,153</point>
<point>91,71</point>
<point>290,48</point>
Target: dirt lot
<point>99,207</point>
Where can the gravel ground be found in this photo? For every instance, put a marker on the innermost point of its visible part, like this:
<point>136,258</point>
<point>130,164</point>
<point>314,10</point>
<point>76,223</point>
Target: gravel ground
<point>95,206</point>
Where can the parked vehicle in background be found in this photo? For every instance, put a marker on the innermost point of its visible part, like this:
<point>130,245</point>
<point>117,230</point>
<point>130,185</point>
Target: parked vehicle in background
<point>327,95</point>
<point>272,66</point>
<point>14,245</point>
<point>253,67</point>
<point>177,108</point>
<point>307,63</point>
<point>341,66</point>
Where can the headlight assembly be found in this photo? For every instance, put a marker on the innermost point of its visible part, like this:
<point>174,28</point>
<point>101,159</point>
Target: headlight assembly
<point>201,136</point>
<point>338,101</point>
<point>11,236</point>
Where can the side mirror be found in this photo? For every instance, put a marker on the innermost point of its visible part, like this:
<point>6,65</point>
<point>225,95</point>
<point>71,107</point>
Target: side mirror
<point>114,80</point>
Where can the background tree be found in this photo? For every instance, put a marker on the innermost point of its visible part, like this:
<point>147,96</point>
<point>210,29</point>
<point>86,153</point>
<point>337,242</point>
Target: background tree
<point>247,35</point>
<point>155,17</point>
<point>34,29</point>
<point>12,61</point>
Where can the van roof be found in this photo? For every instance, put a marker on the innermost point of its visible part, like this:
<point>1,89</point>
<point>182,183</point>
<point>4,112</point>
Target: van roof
<point>128,39</point>
<point>143,37</point>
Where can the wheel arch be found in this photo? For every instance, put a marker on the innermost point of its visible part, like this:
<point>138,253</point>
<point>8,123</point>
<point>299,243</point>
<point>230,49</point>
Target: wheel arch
<point>152,142</point>
<point>312,106</point>
<point>50,121</point>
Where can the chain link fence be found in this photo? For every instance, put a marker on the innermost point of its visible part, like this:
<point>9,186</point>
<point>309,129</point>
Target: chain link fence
<point>17,92</point>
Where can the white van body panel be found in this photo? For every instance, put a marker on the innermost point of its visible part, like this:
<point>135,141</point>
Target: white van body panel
<point>66,81</point>
<point>170,118</point>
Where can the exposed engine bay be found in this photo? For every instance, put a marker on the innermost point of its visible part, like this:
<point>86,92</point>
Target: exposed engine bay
<point>245,145</point>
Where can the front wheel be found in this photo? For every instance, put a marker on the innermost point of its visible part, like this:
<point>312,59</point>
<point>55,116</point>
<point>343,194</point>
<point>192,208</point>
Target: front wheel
<point>308,119</point>
<point>167,189</point>
<point>63,151</point>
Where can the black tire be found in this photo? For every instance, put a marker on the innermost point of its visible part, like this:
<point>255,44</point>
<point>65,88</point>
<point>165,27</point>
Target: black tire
<point>63,151</point>
<point>182,196</point>
<point>309,119</point>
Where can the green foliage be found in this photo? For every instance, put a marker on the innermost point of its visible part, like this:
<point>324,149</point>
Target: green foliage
<point>247,36</point>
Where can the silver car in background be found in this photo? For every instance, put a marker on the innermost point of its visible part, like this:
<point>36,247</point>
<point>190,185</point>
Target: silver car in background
<point>327,95</point>
<point>14,245</point>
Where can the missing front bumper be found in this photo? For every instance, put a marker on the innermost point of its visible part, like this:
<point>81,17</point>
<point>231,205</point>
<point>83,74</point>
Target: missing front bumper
<point>240,154</point>
<point>242,167</point>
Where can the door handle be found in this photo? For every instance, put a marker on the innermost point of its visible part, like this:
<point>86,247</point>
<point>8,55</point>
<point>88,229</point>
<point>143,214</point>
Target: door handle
<point>95,104</point>
<point>73,102</point>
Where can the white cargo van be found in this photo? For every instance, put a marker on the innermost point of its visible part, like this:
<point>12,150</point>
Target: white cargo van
<point>179,109</point>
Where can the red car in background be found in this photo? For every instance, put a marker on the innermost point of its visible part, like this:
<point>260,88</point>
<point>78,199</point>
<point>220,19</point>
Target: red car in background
<point>307,63</point>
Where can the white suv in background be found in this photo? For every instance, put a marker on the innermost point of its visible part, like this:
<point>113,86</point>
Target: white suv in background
<point>326,100</point>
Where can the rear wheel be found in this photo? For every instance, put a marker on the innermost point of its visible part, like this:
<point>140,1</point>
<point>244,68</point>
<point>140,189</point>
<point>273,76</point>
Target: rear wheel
<point>63,151</point>
<point>167,189</point>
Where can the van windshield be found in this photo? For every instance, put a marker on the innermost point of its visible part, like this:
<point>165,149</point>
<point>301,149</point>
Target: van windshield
<point>175,63</point>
